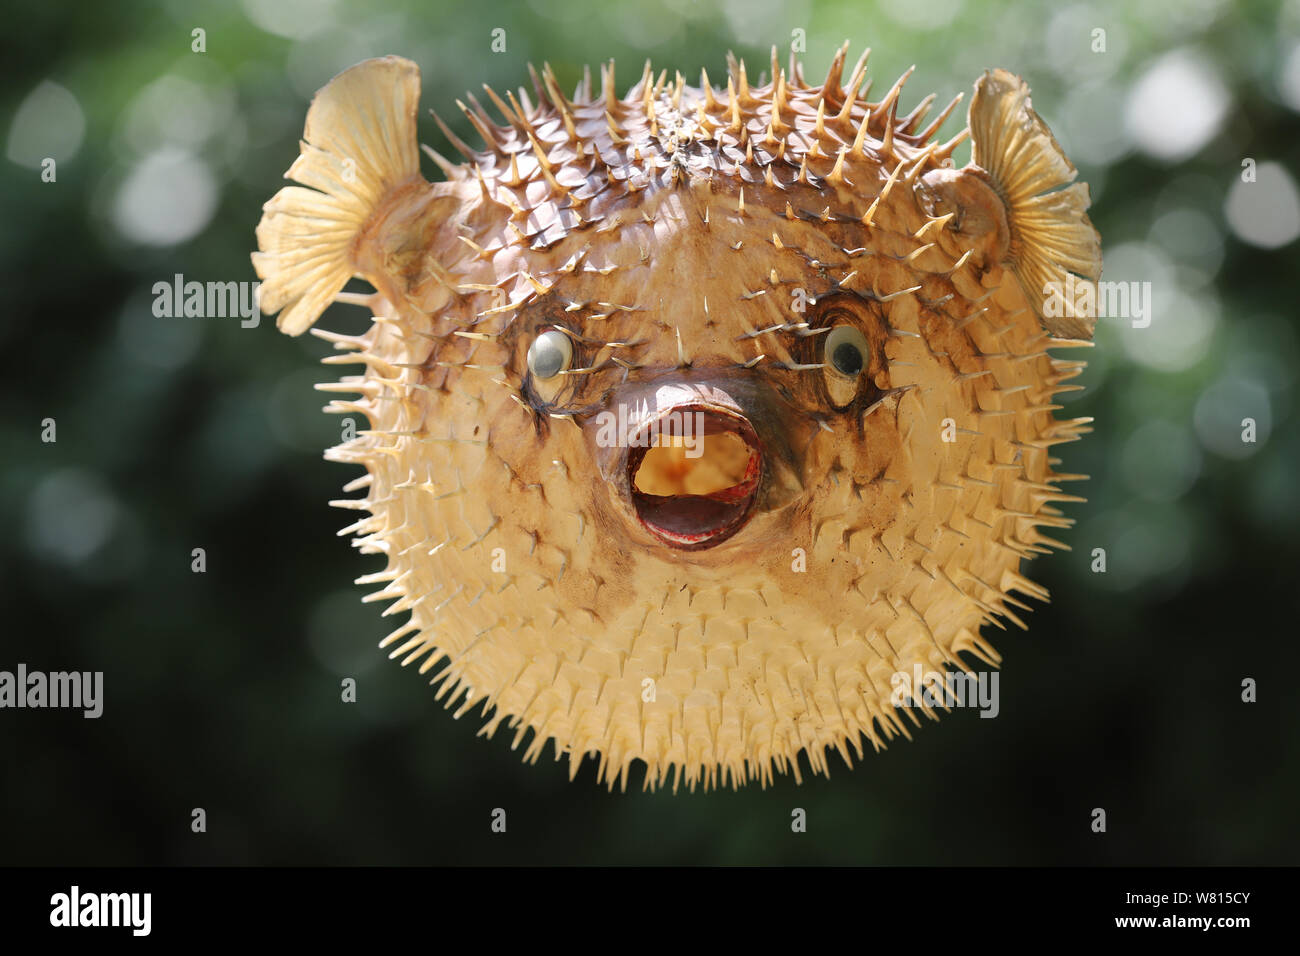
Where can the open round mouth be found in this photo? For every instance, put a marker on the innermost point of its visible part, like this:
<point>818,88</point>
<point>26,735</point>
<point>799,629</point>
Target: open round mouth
<point>695,477</point>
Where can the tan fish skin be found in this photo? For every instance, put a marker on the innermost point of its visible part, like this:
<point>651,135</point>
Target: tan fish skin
<point>859,507</point>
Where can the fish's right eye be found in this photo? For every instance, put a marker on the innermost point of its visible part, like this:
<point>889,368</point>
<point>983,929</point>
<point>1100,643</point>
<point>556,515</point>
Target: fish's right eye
<point>846,350</point>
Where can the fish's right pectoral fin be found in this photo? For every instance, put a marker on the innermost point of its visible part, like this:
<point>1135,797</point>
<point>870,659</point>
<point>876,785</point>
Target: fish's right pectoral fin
<point>1050,235</point>
<point>359,149</point>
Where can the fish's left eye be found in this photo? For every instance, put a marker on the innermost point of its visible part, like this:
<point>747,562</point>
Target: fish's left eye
<point>550,354</point>
<point>845,358</point>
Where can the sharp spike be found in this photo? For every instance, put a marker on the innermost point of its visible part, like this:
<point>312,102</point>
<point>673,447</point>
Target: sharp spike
<point>482,183</point>
<point>540,289</point>
<point>537,83</point>
<point>918,114</point>
<point>946,150</point>
<point>559,102</point>
<point>489,139</point>
<point>638,92</point>
<point>938,121</point>
<point>545,164</point>
<point>836,175</point>
<point>479,251</point>
<point>710,102</point>
<point>965,256</point>
<point>525,124</point>
<point>936,223</point>
<point>702,117</point>
<point>835,73</point>
<point>851,90</point>
<point>607,92</point>
<point>869,216</point>
<point>648,101</point>
<point>890,103</point>
<point>500,105</point>
<point>457,143</point>
<point>918,252</point>
<point>860,68</point>
<point>887,144</point>
<point>449,169</point>
<point>570,128</point>
<point>859,141</point>
<point>893,178</point>
<point>779,102</point>
<point>915,172</point>
<point>527,114</point>
<point>515,178</point>
<point>615,134</point>
<point>773,121</point>
<point>346,298</point>
<point>481,113</point>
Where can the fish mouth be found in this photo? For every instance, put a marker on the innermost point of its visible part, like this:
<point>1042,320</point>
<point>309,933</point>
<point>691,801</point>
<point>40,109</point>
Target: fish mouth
<point>694,473</point>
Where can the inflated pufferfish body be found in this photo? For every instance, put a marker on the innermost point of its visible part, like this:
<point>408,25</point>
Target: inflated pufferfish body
<point>695,415</point>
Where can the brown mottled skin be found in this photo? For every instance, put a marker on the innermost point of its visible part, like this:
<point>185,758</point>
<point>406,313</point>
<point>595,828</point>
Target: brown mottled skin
<point>695,246</point>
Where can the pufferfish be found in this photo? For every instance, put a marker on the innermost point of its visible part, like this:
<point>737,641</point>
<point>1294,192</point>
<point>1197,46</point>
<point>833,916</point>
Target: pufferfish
<point>696,415</point>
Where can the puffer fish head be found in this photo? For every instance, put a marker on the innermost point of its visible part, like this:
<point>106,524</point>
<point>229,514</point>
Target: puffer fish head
<point>696,416</point>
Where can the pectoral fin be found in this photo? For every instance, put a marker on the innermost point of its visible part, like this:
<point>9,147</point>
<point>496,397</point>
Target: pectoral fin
<point>359,146</point>
<point>1049,231</point>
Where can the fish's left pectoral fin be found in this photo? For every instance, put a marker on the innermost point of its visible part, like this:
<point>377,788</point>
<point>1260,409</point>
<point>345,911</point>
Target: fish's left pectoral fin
<point>1052,246</point>
<point>359,147</point>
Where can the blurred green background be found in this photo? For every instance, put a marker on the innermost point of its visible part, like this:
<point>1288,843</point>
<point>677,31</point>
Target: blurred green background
<point>222,688</point>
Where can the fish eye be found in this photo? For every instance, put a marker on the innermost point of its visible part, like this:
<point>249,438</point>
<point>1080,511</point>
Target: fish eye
<point>846,351</point>
<point>550,354</point>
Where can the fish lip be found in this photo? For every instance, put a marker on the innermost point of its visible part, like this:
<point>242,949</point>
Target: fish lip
<point>697,522</point>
